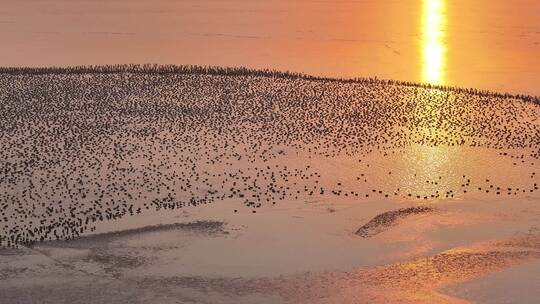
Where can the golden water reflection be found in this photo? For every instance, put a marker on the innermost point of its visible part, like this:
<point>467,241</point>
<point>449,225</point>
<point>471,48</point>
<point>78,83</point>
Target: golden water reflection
<point>484,44</point>
<point>433,44</point>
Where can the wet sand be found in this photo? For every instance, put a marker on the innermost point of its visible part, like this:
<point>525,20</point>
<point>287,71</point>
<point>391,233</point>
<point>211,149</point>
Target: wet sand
<point>247,186</point>
<point>421,259</point>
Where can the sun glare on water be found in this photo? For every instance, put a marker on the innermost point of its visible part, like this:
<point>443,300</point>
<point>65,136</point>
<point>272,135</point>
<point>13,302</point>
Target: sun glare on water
<point>433,44</point>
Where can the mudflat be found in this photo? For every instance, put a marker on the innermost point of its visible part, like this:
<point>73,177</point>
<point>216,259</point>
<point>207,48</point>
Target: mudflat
<point>178,184</point>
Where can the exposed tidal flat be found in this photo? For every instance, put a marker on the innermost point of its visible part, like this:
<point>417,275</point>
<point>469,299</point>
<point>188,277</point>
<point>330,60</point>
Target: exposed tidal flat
<point>179,184</point>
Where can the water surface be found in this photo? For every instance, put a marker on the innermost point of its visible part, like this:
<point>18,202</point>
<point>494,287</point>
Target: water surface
<point>485,44</point>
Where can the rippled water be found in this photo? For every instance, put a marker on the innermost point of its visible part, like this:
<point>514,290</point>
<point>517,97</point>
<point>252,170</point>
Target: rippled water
<point>485,44</point>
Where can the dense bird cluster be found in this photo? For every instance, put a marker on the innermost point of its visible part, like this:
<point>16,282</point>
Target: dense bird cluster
<point>86,145</point>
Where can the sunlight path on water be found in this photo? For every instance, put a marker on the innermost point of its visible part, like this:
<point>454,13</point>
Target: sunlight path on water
<point>433,45</point>
<point>433,67</point>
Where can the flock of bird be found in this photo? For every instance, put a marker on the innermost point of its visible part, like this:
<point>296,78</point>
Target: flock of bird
<point>80,147</point>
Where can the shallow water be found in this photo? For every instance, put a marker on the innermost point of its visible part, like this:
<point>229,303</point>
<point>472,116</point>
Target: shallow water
<point>292,168</point>
<point>84,149</point>
<point>484,44</point>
